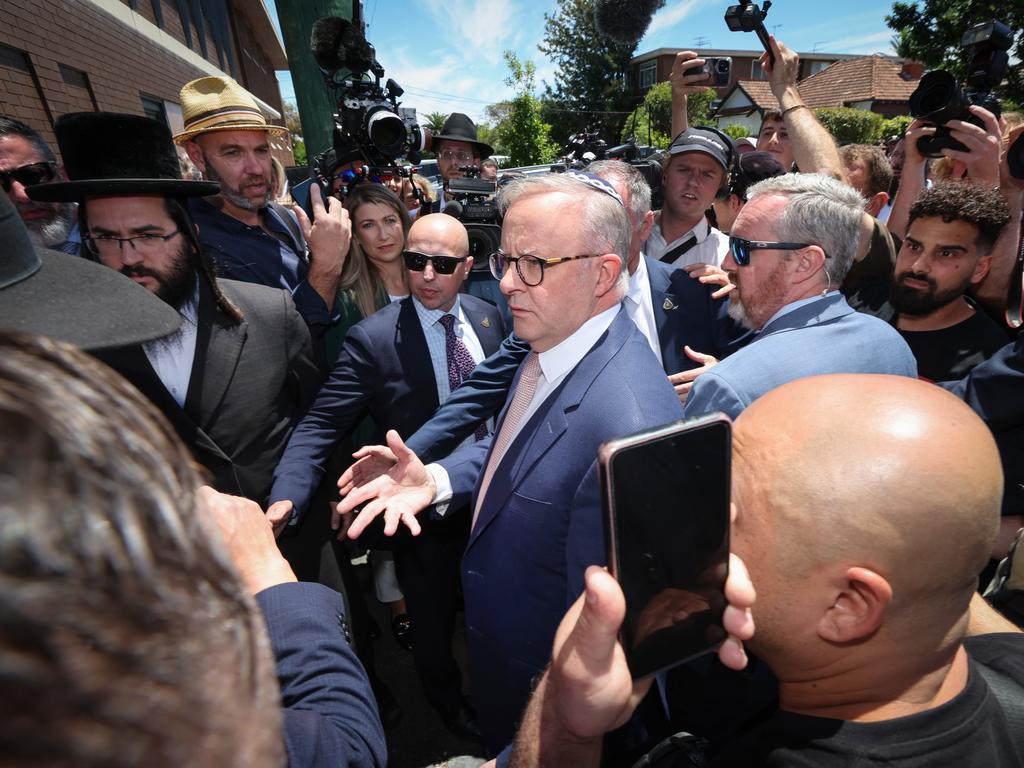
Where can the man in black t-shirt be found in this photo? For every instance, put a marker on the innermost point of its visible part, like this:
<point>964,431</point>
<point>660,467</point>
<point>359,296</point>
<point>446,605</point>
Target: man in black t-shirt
<point>948,247</point>
<point>863,530</point>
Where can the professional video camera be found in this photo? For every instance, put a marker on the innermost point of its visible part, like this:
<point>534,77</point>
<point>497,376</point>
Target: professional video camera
<point>474,205</point>
<point>369,115</point>
<point>939,98</point>
<point>582,149</point>
<point>748,17</point>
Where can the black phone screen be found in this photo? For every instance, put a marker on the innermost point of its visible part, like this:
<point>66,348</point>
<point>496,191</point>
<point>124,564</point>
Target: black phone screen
<point>668,512</point>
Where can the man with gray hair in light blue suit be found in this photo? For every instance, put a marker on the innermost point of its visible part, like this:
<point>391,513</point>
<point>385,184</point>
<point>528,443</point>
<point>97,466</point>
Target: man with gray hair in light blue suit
<point>789,250</point>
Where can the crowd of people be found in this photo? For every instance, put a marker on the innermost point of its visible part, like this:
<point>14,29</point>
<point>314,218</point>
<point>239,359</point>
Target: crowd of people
<point>212,401</point>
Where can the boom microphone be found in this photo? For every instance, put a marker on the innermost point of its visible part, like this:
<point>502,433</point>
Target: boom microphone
<point>337,43</point>
<point>624,21</point>
<point>453,208</point>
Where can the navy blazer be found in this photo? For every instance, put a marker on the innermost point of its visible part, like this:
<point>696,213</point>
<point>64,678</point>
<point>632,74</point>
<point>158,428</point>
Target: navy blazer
<point>384,369</point>
<point>540,524</point>
<point>684,314</point>
<point>823,336</point>
<point>330,715</point>
<point>993,389</point>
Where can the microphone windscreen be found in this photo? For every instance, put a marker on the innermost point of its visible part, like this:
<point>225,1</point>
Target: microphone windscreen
<point>325,40</point>
<point>624,21</point>
<point>453,208</point>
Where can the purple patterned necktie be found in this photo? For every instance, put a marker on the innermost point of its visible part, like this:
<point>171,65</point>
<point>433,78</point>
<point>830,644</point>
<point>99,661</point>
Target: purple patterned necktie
<point>460,362</point>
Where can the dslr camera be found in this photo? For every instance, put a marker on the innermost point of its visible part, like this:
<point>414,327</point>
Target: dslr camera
<point>940,97</point>
<point>474,205</point>
<point>717,68</point>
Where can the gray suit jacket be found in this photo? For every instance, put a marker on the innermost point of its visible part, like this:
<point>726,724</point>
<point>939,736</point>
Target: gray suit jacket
<point>824,336</point>
<point>250,384</point>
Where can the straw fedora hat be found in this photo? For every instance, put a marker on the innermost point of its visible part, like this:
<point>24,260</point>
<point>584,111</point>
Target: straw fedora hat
<point>221,104</point>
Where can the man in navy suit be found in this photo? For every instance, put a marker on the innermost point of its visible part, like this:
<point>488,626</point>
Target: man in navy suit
<point>533,490</point>
<point>397,366</point>
<point>790,248</point>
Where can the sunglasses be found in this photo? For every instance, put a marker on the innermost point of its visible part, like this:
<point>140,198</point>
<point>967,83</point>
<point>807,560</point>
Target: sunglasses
<point>443,265</point>
<point>27,175</point>
<point>741,248</point>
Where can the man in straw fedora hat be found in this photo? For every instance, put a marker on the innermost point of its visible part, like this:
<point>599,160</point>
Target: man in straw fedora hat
<point>250,237</point>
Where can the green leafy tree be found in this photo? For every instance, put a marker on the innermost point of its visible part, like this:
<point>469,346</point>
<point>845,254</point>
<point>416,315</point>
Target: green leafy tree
<point>294,126</point>
<point>488,134</point>
<point>651,122</point>
<point>299,151</point>
<point>895,126</point>
<point>851,126</point>
<point>698,107</point>
<point>930,31</point>
<point>736,131</point>
<point>435,121</point>
<point>590,89</point>
<point>523,135</point>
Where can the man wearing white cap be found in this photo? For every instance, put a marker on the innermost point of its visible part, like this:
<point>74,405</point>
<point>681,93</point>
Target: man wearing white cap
<point>250,237</point>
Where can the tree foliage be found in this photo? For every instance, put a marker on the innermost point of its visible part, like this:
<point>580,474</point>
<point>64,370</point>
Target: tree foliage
<point>590,89</point>
<point>435,121</point>
<point>930,31</point>
<point>851,126</point>
<point>651,122</point>
<point>524,136</point>
<point>736,131</point>
<point>895,126</point>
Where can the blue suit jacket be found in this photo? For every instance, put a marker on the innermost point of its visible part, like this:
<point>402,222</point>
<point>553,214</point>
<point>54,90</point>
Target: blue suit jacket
<point>824,336</point>
<point>993,389</point>
<point>384,369</point>
<point>684,314</point>
<point>330,715</point>
<point>541,525</point>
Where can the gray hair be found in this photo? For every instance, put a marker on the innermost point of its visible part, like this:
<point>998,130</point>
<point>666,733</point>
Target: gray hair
<point>128,637</point>
<point>821,211</point>
<point>602,220</point>
<point>638,191</point>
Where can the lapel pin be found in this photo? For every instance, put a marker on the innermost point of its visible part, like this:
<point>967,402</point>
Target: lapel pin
<point>668,305</point>
<point>486,322</point>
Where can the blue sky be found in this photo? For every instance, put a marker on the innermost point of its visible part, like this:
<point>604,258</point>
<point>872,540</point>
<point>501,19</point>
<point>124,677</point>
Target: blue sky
<point>447,54</point>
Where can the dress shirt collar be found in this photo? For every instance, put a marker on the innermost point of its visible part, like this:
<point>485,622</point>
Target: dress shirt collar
<point>429,317</point>
<point>637,281</point>
<point>563,357</point>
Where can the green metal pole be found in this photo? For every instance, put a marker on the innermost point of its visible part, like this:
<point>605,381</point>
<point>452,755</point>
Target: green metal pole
<point>317,103</point>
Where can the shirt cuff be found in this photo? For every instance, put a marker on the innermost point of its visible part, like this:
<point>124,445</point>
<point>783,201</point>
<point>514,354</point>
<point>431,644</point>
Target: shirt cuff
<point>443,488</point>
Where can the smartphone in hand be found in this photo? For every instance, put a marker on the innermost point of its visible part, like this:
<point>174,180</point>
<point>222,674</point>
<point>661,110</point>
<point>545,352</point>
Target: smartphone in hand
<point>666,503</point>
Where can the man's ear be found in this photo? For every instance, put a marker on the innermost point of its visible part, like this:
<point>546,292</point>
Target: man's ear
<point>858,609</point>
<point>981,269</point>
<point>735,204</point>
<point>645,227</point>
<point>195,154</point>
<point>468,264</point>
<point>810,261</point>
<point>876,203</point>
<point>609,267</point>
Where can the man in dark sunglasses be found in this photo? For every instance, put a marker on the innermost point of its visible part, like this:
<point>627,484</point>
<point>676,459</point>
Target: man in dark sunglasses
<point>26,159</point>
<point>398,366</point>
<point>789,250</point>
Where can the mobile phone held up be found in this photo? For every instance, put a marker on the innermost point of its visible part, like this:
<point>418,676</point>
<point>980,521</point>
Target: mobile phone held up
<point>717,68</point>
<point>666,512</point>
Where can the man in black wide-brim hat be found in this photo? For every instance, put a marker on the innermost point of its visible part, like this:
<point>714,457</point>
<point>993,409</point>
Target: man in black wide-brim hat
<point>457,146</point>
<point>238,373</point>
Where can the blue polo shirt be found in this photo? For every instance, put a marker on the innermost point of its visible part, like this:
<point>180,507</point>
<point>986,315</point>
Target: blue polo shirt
<point>250,254</point>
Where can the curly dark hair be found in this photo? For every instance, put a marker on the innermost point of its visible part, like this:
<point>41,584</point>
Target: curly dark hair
<point>985,208</point>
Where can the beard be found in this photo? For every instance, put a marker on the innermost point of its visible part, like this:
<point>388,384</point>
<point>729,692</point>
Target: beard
<point>48,232</point>
<point>234,194</point>
<point>918,302</point>
<point>175,283</point>
<point>754,311</point>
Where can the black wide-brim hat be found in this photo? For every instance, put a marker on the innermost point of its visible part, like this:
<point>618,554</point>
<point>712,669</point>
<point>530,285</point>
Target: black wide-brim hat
<point>112,154</point>
<point>458,127</point>
<point>70,298</point>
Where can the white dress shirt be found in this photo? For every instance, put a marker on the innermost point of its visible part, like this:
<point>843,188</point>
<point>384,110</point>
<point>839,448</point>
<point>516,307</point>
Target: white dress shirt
<point>555,364</point>
<point>711,248</point>
<point>172,356</point>
<point>640,306</point>
<point>433,331</point>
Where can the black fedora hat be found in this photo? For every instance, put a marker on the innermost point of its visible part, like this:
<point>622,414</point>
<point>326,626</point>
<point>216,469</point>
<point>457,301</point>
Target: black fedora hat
<point>458,127</point>
<point>70,298</point>
<point>111,154</point>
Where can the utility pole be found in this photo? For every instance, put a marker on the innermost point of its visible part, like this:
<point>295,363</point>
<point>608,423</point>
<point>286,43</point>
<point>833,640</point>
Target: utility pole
<point>701,42</point>
<point>317,103</point>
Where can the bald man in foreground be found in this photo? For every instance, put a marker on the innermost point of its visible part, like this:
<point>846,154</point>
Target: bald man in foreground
<point>865,574</point>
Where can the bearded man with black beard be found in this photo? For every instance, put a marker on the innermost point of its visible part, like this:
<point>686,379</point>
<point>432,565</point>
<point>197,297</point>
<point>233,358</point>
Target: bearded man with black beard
<point>249,236</point>
<point>948,248</point>
<point>238,374</point>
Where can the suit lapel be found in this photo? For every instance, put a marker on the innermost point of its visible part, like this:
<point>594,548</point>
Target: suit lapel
<point>665,305</point>
<point>823,310</point>
<point>219,343</point>
<point>484,321</point>
<point>414,355</point>
<point>548,424</point>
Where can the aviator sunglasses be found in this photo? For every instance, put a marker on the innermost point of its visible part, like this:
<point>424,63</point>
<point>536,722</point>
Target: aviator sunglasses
<point>27,175</point>
<point>443,265</point>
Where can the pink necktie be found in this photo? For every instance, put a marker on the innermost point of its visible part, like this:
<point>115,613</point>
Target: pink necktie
<point>520,403</point>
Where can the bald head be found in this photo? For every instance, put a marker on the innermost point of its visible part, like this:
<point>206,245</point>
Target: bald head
<point>881,472</point>
<point>438,230</point>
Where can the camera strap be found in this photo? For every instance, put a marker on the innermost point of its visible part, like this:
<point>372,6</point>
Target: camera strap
<point>679,250</point>
<point>1015,294</point>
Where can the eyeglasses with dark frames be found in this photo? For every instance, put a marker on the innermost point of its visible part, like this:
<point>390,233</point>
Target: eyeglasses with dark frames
<point>27,175</point>
<point>740,248</point>
<point>443,265</point>
<point>529,268</point>
<point>107,245</point>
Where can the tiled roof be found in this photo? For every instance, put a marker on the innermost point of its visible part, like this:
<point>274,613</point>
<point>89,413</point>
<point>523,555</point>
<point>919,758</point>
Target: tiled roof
<point>760,92</point>
<point>869,78</point>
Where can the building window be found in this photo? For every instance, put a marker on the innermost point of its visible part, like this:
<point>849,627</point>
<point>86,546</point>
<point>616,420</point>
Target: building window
<point>648,74</point>
<point>756,72</point>
<point>154,108</point>
<point>814,67</point>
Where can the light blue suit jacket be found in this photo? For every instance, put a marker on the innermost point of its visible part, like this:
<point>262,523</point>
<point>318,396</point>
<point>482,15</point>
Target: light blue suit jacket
<point>824,336</point>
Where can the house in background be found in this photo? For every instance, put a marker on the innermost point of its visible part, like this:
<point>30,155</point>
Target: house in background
<point>133,56</point>
<point>881,84</point>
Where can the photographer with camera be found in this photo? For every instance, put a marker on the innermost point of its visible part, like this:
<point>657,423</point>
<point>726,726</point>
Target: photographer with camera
<point>457,147</point>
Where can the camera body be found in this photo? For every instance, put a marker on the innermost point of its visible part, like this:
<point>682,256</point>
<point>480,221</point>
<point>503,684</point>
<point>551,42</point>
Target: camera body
<point>474,205</point>
<point>749,17</point>
<point>369,116</point>
<point>717,68</point>
<point>940,98</point>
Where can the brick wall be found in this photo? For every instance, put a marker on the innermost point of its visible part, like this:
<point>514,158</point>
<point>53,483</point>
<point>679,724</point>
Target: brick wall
<point>119,64</point>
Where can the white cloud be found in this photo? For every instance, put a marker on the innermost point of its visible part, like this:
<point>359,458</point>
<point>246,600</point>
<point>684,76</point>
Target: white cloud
<point>878,41</point>
<point>476,28</point>
<point>671,15</point>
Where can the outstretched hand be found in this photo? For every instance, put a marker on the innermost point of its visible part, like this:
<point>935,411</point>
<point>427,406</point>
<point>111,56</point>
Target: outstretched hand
<point>399,494</point>
<point>372,461</point>
<point>709,274</point>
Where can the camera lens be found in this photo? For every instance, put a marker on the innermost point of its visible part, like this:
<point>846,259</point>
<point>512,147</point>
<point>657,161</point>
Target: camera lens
<point>722,66</point>
<point>386,132</point>
<point>938,98</point>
